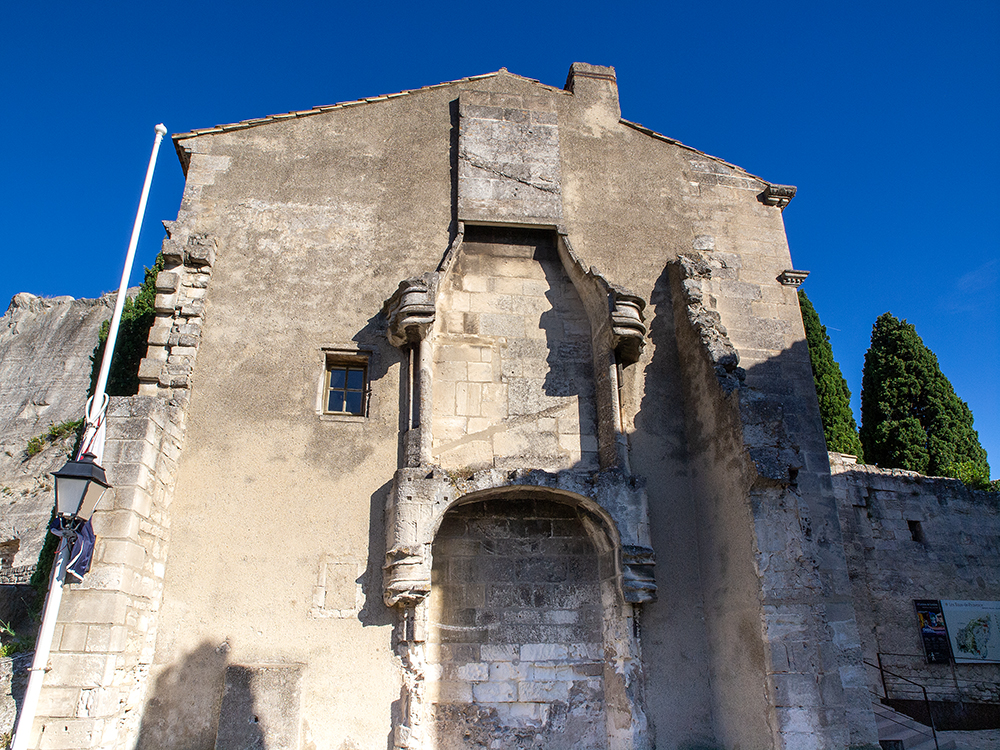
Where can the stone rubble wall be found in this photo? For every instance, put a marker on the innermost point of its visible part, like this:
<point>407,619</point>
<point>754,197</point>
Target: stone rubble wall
<point>959,558</point>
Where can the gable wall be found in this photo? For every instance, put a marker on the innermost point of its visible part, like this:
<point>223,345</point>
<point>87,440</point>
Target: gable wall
<point>314,222</point>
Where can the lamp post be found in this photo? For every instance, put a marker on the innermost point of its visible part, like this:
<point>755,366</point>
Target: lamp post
<point>81,483</point>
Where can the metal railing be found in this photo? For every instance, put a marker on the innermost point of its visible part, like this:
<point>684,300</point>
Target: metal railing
<point>882,671</point>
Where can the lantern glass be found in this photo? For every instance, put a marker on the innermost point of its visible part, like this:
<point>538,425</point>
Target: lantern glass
<point>70,492</point>
<point>93,496</point>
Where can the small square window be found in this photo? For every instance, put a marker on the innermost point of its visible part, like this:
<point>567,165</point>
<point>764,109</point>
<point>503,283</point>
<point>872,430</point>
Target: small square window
<point>346,385</point>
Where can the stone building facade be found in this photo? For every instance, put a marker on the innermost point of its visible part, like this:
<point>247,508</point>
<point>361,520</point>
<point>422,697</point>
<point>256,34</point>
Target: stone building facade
<point>472,416</point>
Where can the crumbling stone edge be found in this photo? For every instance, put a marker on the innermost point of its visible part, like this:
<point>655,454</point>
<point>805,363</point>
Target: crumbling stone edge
<point>695,273</point>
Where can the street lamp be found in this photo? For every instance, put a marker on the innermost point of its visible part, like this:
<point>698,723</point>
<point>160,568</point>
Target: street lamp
<point>81,483</point>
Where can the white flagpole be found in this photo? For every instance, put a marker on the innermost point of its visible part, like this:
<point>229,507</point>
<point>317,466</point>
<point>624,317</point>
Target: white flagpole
<point>93,436</point>
<point>93,442</point>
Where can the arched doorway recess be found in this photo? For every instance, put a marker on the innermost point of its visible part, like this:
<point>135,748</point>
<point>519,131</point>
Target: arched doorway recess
<point>525,639</point>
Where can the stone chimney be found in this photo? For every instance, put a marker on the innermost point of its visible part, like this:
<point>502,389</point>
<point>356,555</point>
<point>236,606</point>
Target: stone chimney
<point>595,83</point>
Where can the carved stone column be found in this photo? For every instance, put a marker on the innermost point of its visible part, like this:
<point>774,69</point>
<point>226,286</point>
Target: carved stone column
<point>410,313</point>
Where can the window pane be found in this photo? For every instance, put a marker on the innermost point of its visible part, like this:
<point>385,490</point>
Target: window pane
<point>336,401</point>
<point>337,375</point>
<point>353,405</point>
<point>355,379</point>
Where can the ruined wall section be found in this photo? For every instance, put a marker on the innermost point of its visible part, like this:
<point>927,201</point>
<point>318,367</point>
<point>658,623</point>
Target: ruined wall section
<point>104,639</point>
<point>780,513</point>
<point>720,479</point>
<point>513,382</point>
<point>181,289</point>
<point>104,643</point>
<point>747,479</point>
<point>955,557</point>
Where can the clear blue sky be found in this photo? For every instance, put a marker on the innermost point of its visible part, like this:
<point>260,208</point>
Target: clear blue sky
<point>886,115</point>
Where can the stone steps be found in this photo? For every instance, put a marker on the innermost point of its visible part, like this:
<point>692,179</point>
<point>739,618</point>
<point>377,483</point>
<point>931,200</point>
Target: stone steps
<point>913,735</point>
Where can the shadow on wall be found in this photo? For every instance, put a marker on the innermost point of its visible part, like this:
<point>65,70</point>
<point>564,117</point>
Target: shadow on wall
<point>182,710</point>
<point>658,417</point>
<point>567,332</point>
<point>374,612</point>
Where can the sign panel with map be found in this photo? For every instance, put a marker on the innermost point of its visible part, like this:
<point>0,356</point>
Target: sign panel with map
<point>974,630</point>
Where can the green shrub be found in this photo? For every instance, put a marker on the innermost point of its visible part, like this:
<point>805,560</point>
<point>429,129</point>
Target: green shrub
<point>133,332</point>
<point>55,433</point>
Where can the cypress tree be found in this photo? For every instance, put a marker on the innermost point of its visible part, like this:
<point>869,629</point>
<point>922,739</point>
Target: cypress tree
<point>839,427</point>
<point>911,417</point>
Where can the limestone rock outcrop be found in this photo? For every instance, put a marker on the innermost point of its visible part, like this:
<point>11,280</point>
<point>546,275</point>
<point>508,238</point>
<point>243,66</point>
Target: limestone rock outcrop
<point>45,348</point>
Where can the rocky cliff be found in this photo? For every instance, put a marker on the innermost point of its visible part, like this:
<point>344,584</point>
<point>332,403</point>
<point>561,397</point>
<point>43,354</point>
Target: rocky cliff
<point>45,350</point>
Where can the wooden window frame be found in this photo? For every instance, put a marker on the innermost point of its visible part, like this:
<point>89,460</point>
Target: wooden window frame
<point>340,360</point>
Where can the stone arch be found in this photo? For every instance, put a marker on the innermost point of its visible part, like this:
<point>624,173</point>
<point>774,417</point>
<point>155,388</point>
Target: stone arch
<point>529,491</point>
<point>420,498</point>
<point>440,698</point>
<point>529,640</point>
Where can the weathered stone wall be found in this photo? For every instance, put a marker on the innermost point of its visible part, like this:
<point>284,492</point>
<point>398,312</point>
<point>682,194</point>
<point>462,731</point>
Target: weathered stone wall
<point>508,158</point>
<point>785,650</point>
<point>515,636</point>
<point>513,383</point>
<point>308,224</point>
<point>103,641</point>
<point>956,558</point>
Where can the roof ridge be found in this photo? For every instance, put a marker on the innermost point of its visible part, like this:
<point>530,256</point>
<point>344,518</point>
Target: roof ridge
<point>253,122</point>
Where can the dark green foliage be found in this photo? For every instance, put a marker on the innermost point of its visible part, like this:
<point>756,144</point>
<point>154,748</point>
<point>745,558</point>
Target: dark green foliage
<point>43,571</point>
<point>976,476</point>
<point>839,427</point>
<point>137,317</point>
<point>911,417</point>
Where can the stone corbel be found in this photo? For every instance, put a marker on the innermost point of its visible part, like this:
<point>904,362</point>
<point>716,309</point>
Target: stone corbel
<point>628,329</point>
<point>638,582</point>
<point>791,277</point>
<point>416,499</point>
<point>777,195</point>
<point>410,311</point>
<point>407,575</point>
